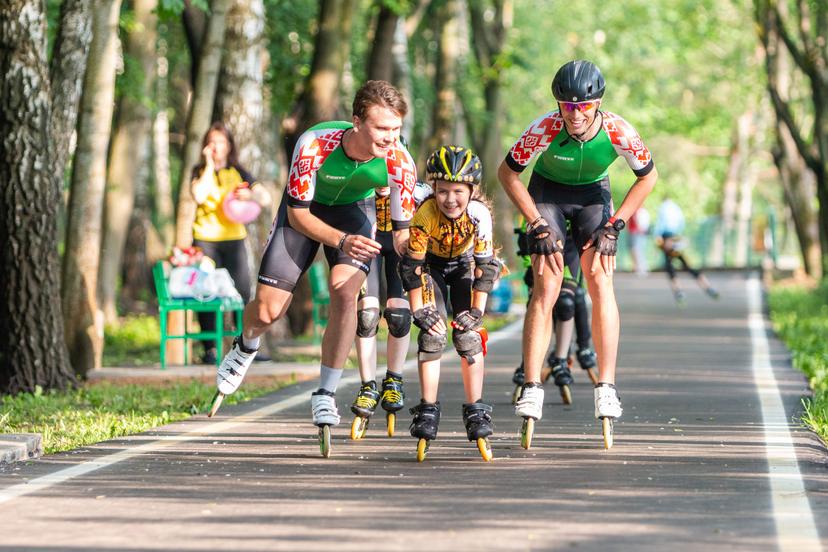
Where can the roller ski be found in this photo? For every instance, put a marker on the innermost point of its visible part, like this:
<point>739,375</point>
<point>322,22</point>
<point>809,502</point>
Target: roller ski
<point>588,361</point>
<point>424,426</point>
<point>364,406</point>
<point>607,409</point>
<point>518,378</point>
<point>530,407</point>
<point>477,418</point>
<point>325,415</point>
<point>392,400</point>
<point>231,372</point>
<point>562,376</point>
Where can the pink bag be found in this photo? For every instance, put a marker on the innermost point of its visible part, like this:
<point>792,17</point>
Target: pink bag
<point>240,211</point>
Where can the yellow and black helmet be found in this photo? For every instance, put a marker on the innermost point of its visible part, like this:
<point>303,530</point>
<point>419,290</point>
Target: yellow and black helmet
<point>454,164</point>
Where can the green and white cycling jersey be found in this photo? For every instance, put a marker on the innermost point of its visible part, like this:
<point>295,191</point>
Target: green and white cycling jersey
<point>321,172</point>
<point>566,160</point>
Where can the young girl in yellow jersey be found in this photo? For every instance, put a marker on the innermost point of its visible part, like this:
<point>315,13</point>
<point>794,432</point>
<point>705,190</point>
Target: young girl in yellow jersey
<point>451,258</point>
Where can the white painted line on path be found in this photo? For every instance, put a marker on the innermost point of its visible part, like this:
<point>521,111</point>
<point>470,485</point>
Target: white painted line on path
<point>795,528</point>
<point>213,429</point>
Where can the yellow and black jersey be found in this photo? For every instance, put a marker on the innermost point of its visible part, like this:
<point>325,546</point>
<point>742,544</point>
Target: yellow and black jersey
<point>432,232</point>
<point>383,202</point>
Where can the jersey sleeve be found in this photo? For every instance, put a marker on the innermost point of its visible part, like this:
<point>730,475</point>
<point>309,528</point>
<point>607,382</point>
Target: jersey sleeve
<point>421,228</point>
<point>310,153</point>
<point>402,177</point>
<point>534,140</point>
<point>483,238</point>
<point>628,144</point>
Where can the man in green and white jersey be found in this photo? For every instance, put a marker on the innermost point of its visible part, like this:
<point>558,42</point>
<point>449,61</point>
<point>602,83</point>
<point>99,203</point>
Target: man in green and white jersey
<point>329,200</point>
<point>575,146</point>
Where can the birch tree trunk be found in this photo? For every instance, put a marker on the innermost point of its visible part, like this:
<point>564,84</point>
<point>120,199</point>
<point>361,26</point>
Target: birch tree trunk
<point>198,121</point>
<point>32,350</point>
<point>162,181</point>
<point>82,318</point>
<point>130,153</point>
<point>445,108</point>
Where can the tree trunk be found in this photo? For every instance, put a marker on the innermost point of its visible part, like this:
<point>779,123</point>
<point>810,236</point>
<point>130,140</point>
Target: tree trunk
<point>82,318</point>
<point>401,76</point>
<point>445,108</point>
<point>68,61</point>
<point>198,120</point>
<point>130,154</point>
<point>162,181</point>
<point>32,350</point>
<point>195,26</point>
<point>380,64</point>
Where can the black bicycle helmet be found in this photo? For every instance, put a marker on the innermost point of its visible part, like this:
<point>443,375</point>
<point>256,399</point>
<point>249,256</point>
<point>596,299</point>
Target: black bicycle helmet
<point>454,164</point>
<point>578,81</point>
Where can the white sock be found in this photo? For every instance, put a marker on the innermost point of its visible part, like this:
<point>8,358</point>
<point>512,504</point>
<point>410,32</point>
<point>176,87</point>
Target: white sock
<point>251,344</point>
<point>329,378</point>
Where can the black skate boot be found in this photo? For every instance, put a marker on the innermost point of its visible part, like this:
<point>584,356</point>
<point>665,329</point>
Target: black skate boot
<point>563,378</point>
<point>424,426</point>
<point>588,361</point>
<point>478,421</point>
<point>363,407</point>
<point>518,378</point>
<point>393,399</point>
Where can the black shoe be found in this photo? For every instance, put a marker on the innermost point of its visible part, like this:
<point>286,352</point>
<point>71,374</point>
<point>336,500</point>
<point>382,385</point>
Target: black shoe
<point>210,356</point>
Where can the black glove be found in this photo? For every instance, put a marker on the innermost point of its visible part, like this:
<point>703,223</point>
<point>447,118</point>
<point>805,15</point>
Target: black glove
<point>468,320</point>
<point>426,317</point>
<point>522,243</point>
<point>605,240</point>
<point>542,239</point>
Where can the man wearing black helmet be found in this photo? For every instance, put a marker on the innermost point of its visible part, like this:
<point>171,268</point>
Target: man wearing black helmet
<point>576,144</point>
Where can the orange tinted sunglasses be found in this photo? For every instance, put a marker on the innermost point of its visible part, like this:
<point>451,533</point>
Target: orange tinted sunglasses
<point>583,107</point>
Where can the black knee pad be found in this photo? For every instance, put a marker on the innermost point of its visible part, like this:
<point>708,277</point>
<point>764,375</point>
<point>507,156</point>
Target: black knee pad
<point>367,322</point>
<point>565,306</point>
<point>467,344</point>
<point>430,347</point>
<point>399,321</point>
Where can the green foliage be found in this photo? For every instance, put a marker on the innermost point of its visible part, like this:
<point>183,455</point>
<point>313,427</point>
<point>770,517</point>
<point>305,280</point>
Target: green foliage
<point>173,8</point>
<point>135,341</point>
<point>800,318</point>
<point>80,417</point>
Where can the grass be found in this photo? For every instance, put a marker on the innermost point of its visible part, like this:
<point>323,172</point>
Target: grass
<point>800,318</point>
<point>106,410</point>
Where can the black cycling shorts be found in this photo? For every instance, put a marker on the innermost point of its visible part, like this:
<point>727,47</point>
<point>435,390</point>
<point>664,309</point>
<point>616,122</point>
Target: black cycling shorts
<point>587,206</point>
<point>388,259</point>
<point>289,253</point>
<point>450,283</point>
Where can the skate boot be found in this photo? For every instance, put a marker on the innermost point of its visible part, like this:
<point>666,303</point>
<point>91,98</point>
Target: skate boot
<point>530,407</point>
<point>563,378</point>
<point>231,372</point>
<point>478,421</point>
<point>712,293</point>
<point>392,401</point>
<point>607,409</point>
<point>424,426</point>
<point>588,361</point>
<point>518,378</point>
<point>679,296</point>
<point>325,414</point>
<point>363,407</point>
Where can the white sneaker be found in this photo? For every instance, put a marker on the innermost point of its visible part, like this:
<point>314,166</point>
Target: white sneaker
<point>607,403</point>
<point>233,367</point>
<point>323,407</point>
<point>530,403</point>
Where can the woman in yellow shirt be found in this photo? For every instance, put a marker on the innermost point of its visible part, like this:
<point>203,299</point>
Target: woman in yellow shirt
<point>217,175</point>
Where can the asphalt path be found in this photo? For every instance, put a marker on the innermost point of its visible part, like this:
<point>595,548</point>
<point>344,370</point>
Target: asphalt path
<point>708,455</point>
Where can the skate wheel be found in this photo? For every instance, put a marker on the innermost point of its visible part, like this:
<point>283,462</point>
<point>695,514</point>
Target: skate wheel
<point>422,449</point>
<point>325,441</point>
<point>527,430</point>
<point>216,403</point>
<point>358,428</point>
<point>592,376</point>
<point>485,449</point>
<point>391,421</point>
<point>566,394</point>
<point>516,394</point>
<point>606,425</point>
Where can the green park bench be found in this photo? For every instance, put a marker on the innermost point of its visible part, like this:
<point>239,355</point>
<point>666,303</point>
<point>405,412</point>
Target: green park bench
<point>218,306</point>
<point>321,299</point>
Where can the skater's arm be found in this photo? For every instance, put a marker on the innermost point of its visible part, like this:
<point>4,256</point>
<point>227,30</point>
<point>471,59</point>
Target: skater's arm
<point>359,247</point>
<point>639,191</point>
